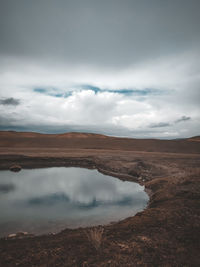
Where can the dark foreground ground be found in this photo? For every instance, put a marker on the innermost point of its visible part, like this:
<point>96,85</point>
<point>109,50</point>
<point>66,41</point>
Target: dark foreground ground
<point>167,233</point>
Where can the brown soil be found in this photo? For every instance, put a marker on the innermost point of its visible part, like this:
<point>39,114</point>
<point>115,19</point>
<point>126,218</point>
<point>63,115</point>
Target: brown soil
<point>164,234</point>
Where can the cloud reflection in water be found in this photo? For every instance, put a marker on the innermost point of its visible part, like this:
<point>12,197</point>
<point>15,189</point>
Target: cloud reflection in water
<point>74,196</point>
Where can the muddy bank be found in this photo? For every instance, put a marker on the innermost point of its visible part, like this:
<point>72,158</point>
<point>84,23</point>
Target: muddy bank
<point>25,162</point>
<point>165,234</point>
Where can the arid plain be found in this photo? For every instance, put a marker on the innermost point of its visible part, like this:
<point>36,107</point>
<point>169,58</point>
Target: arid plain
<point>166,233</point>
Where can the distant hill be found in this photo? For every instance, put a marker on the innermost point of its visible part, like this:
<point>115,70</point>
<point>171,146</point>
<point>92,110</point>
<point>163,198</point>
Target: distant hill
<point>96,141</point>
<point>195,139</point>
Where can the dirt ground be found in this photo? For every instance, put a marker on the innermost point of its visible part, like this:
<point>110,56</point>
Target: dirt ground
<point>166,233</point>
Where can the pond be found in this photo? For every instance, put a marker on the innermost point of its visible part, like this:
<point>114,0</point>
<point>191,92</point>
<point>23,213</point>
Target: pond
<point>48,200</point>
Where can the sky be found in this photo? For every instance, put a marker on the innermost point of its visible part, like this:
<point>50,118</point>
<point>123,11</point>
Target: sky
<point>122,68</point>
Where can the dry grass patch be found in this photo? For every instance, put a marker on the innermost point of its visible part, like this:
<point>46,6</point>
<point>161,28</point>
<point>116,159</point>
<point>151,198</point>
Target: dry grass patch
<point>95,236</point>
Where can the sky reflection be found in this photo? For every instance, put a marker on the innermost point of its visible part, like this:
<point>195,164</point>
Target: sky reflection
<point>64,197</point>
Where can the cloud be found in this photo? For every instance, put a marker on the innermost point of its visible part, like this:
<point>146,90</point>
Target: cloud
<point>160,125</point>
<point>182,119</point>
<point>51,102</point>
<point>167,124</point>
<point>86,87</point>
<point>10,101</point>
<point>100,66</point>
<point>111,34</point>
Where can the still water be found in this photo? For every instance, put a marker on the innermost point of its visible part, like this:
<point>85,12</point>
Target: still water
<point>51,199</point>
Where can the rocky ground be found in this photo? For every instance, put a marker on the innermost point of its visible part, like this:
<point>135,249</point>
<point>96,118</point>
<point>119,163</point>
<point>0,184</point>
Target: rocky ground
<point>166,233</point>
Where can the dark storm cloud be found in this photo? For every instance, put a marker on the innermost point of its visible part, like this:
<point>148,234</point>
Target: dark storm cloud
<point>9,101</point>
<point>111,33</point>
<point>183,118</point>
<point>167,124</point>
<point>160,125</point>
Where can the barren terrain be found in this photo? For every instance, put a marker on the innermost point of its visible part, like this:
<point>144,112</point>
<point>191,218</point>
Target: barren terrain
<point>164,234</point>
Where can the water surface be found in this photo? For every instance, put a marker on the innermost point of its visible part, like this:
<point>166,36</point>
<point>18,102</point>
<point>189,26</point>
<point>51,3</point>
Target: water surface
<point>51,199</point>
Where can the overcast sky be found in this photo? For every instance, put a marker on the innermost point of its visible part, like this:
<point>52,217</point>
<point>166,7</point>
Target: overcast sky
<point>123,68</point>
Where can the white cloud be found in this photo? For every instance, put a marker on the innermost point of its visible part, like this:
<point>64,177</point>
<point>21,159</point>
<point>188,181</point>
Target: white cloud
<point>176,78</point>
